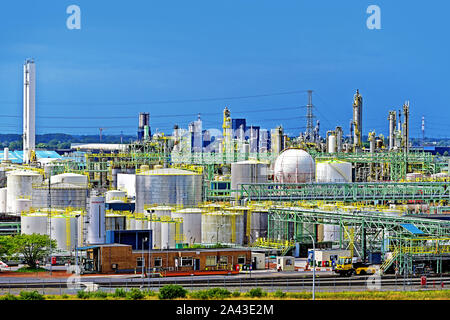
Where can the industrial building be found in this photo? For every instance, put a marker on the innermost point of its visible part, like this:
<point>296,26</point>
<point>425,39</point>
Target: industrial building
<point>207,202</point>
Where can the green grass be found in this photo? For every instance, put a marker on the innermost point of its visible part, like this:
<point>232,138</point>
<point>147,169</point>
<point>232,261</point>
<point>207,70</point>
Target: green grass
<point>31,270</point>
<point>178,292</point>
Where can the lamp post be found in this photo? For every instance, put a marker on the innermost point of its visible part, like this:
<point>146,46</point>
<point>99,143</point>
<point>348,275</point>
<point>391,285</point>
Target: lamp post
<point>144,239</point>
<point>314,268</point>
<point>76,244</point>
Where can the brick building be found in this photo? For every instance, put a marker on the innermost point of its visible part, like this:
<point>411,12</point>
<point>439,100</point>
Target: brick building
<point>111,258</point>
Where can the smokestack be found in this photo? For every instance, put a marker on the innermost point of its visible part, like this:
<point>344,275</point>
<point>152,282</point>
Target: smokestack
<point>29,92</point>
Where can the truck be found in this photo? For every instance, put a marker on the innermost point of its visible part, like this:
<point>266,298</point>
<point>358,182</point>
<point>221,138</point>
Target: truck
<point>346,266</point>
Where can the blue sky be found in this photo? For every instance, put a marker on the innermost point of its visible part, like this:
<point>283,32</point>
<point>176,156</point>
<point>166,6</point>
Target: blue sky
<point>130,56</point>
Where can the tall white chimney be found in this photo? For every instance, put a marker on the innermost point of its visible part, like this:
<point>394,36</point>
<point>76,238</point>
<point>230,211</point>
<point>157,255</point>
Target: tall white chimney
<point>29,89</point>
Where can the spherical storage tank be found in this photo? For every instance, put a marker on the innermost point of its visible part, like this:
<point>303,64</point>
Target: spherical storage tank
<point>333,171</point>
<point>192,224</point>
<point>294,166</point>
<point>223,227</point>
<point>249,171</point>
<point>168,186</point>
<point>96,226</point>
<point>19,186</point>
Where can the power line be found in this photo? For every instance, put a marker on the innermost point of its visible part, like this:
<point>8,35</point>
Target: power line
<point>170,101</point>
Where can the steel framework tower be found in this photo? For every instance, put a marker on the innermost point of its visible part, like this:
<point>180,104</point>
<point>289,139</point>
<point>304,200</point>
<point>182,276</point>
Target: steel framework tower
<point>309,116</point>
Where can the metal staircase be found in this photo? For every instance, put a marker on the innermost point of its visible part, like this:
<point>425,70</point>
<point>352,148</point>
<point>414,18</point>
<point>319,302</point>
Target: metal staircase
<point>388,262</point>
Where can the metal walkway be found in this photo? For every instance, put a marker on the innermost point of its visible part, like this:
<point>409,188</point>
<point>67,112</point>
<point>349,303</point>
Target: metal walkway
<point>348,192</point>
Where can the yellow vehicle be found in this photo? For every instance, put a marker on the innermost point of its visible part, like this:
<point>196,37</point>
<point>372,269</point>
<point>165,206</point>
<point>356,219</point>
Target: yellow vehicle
<point>345,267</point>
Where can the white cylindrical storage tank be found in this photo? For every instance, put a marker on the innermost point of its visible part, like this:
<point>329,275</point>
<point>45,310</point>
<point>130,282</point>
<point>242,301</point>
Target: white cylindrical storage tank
<point>70,178</point>
<point>333,171</point>
<point>23,205</point>
<point>223,227</point>
<point>155,226</point>
<point>249,171</point>
<point>3,194</point>
<point>131,223</point>
<point>127,182</point>
<point>96,226</point>
<point>294,166</point>
<point>331,143</point>
<point>160,211</point>
<point>64,230</point>
<point>192,224</point>
<point>168,187</point>
<point>259,219</point>
<point>168,230</point>
<point>19,185</point>
<point>63,195</point>
<point>115,222</point>
<point>141,224</point>
<point>6,154</point>
<point>33,223</point>
<point>115,195</point>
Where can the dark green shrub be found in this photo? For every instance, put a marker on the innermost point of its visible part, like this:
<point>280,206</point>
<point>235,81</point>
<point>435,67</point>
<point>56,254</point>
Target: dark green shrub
<point>30,295</point>
<point>257,293</point>
<point>83,294</point>
<point>119,293</point>
<point>236,294</point>
<point>135,294</point>
<point>200,294</point>
<point>218,293</point>
<point>172,291</point>
<point>99,294</point>
<point>279,294</point>
<point>65,296</point>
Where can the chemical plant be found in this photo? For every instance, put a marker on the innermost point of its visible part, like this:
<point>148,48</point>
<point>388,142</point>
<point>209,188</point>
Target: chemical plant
<point>198,200</point>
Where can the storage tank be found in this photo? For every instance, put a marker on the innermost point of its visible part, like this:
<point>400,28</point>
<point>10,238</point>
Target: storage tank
<point>23,205</point>
<point>96,224</point>
<point>333,171</point>
<point>168,231</point>
<point>223,227</point>
<point>160,211</point>
<point>19,185</point>
<point>141,223</point>
<point>3,192</point>
<point>259,219</point>
<point>113,195</point>
<point>115,222</point>
<point>33,223</point>
<point>2,178</point>
<point>249,171</point>
<point>294,166</point>
<point>127,182</point>
<point>70,178</point>
<point>131,222</point>
<point>192,224</point>
<point>64,230</point>
<point>168,186</point>
<point>331,143</point>
<point>63,195</point>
